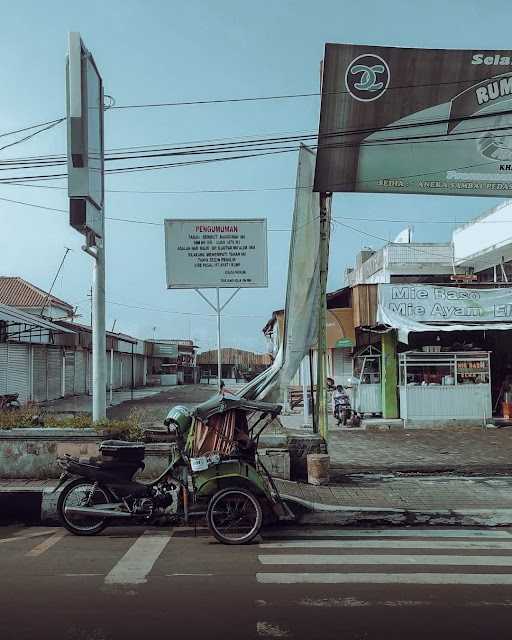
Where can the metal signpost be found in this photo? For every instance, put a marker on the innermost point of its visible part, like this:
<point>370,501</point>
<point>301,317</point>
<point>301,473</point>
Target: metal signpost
<point>216,254</point>
<point>381,104</point>
<point>84,107</point>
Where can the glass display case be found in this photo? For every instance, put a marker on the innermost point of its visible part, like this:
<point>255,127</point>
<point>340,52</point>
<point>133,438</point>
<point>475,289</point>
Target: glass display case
<point>450,385</point>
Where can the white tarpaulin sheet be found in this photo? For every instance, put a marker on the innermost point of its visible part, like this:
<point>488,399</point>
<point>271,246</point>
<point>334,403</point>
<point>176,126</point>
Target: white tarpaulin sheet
<point>302,291</point>
<point>415,308</point>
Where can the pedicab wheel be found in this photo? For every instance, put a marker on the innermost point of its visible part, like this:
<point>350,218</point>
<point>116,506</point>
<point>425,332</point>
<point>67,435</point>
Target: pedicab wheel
<point>78,494</point>
<point>234,516</point>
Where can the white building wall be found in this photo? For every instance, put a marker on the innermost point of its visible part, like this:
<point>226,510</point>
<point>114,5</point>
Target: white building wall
<point>486,239</point>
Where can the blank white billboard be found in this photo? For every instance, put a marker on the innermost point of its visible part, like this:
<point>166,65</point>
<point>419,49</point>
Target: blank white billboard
<point>210,254</point>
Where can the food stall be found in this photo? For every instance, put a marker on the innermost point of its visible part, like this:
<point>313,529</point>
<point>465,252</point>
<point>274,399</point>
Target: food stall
<point>446,385</point>
<point>367,393</point>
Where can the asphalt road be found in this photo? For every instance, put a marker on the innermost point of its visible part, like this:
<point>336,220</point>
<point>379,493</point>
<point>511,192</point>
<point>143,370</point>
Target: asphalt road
<point>340,584</point>
<point>157,406</point>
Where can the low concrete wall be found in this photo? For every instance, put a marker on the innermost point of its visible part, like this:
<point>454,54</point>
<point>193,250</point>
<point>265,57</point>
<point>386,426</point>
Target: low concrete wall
<point>33,453</point>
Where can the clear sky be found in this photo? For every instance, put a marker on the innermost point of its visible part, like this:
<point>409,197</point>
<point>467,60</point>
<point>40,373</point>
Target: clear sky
<point>161,51</point>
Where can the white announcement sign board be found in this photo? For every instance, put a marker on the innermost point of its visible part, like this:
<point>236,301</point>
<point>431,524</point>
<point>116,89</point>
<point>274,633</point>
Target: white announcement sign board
<point>203,254</point>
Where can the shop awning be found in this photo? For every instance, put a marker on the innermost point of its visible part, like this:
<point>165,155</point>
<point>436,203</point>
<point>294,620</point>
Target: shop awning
<point>405,326</point>
<point>14,317</point>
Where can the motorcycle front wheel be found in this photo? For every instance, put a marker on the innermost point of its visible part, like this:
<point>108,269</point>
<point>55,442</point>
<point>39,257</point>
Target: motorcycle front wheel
<point>234,516</point>
<point>82,493</point>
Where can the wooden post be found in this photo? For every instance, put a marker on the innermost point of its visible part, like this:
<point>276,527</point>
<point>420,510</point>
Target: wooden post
<point>321,386</point>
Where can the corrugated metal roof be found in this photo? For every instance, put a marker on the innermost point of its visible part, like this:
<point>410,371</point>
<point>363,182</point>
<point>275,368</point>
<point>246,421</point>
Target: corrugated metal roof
<point>235,357</point>
<point>123,337</point>
<point>17,292</point>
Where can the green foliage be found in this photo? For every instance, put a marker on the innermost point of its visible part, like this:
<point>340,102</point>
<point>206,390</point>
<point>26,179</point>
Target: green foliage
<point>30,416</point>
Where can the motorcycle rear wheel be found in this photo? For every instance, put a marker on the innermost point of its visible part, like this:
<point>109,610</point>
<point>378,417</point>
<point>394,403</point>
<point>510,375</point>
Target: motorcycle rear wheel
<point>234,516</point>
<point>77,493</point>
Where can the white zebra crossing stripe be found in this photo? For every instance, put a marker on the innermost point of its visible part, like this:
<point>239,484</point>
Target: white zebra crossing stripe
<point>396,541</point>
<point>386,578</point>
<point>386,544</point>
<point>386,533</point>
<point>471,561</point>
<point>138,561</point>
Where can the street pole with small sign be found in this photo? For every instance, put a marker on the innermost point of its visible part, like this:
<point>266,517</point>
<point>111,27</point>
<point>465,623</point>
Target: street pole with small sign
<point>86,191</point>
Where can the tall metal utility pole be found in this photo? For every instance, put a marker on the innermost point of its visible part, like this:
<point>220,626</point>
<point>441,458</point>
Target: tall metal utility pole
<point>86,191</point>
<point>321,371</point>
<point>99,340</point>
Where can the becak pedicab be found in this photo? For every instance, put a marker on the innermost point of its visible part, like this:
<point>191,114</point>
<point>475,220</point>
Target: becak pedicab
<point>214,472</point>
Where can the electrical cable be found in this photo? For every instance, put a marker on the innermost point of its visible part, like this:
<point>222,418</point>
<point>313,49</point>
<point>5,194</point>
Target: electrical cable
<point>258,142</point>
<point>32,135</point>
<point>32,126</point>
<point>289,96</point>
<point>184,313</point>
<point>409,246</point>
<point>333,219</point>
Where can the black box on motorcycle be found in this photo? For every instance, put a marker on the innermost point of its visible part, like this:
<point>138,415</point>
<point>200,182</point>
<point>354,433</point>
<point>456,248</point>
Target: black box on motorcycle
<point>123,451</point>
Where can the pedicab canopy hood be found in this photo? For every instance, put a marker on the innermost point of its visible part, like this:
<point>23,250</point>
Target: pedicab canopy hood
<point>182,417</point>
<point>221,404</point>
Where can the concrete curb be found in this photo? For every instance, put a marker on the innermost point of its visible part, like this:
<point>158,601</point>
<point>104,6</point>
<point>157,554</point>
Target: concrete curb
<point>328,514</point>
<point>338,470</point>
<point>36,507</point>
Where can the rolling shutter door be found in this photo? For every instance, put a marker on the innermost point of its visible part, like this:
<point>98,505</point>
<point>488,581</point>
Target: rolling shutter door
<point>342,365</point>
<point>3,368</point>
<point>69,373</point>
<point>18,370</point>
<point>54,373</point>
<point>117,370</point>
<point>80,371</point>
<point>89,372</point>
<point>139,378</point>
<point>39,380</point>
<point>127,370</point>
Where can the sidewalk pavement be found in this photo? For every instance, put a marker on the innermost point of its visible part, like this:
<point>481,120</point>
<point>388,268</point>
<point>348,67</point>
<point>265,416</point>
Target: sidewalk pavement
<point>384,500</point>
<point>434,500</point>
<point>466,450</point>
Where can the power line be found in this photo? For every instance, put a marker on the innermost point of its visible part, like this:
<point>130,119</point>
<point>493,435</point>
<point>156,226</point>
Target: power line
<point>32,135</point>
<point>275,229</point>
<point>261,145</point>
<point>288,96</point>
<point>408,245</point>
<point>336,220</point>
<point>184,313</point>
<point>32,126</point>
<point>127,220</point>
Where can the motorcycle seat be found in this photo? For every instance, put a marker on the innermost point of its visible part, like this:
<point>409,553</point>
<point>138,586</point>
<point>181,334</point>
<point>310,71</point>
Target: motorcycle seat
<point>91,466</point>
